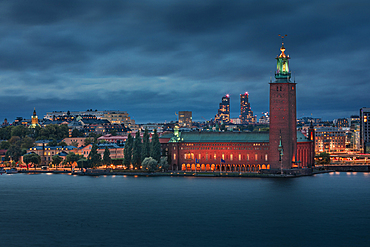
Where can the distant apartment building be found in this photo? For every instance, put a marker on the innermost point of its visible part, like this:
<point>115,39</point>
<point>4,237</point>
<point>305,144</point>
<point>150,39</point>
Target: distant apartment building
<point>308,120</point>
<point>330,139</point>
<point>341,123</point>
<point>114,139</point>
<point>120,117</point>
<point>61,114</point>
<point>80,141</point>
<point>264,119</point>
<point>246,113</point>
<point>365,129</point>
<point>116,151</point>
<point>114,117</point>
<point>354,119</point>
<point>223,114</point>
<point>185,119</point>
<point>235,121</point>
<point>47,152</point>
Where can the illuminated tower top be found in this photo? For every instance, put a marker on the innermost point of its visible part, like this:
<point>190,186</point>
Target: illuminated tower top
<point>282,71</point>
<point>34,120</point>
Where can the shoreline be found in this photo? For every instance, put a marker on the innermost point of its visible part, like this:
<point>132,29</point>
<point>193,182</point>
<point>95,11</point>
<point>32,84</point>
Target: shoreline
<point>175,174</point>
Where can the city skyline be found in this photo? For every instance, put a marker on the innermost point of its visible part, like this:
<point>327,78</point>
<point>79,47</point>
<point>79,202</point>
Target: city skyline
<point>155,59</point>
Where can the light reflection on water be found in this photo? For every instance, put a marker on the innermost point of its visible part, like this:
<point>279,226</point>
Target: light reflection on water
<point>62,210</point>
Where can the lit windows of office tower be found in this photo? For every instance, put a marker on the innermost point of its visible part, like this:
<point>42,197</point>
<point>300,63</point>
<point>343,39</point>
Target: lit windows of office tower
<point>224,110</point>
<point>246,113</point>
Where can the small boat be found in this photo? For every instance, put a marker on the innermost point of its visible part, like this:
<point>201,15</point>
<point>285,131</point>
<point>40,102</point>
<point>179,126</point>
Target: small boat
<point>11,171</point>
<point>2,170</point>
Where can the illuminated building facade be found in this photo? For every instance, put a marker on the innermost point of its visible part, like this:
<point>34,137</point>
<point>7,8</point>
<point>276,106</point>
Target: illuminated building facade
<point>246,114</point>
<point>329,140</point>
<point>279,149</point>
<point>228,151</point>
<point>185,119</point>
<point>365,129</point>
<point>223,114</point>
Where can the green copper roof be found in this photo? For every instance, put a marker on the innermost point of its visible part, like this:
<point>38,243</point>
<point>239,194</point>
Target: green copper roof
<point>223,137</point>
<point>301,137</point>
<point>227,137</point>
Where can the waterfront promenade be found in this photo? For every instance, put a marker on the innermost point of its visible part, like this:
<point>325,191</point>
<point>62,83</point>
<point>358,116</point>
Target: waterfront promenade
<point>110,172</point>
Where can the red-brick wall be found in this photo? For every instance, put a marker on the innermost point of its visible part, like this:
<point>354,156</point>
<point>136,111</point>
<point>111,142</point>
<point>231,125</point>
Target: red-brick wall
<point>283,122</point>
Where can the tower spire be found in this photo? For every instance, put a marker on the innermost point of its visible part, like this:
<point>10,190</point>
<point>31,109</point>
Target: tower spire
<point>282,71</point>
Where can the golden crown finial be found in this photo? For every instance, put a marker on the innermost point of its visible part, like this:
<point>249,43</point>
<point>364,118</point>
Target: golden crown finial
<point>282,49</point>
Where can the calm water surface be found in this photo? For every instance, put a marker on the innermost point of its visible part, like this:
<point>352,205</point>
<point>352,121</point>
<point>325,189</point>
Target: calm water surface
<point>62,210</point>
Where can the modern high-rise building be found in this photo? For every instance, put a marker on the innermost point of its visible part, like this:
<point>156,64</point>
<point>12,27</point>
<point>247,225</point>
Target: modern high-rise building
<point>283,120</point>
<point>354,133</point>
<point>246,114</point>
<point>224,110</point>
<point>185,119</point>
<point>365,129</point>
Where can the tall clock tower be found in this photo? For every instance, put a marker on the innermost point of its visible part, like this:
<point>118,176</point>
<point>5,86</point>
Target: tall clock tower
<point>283,119</point>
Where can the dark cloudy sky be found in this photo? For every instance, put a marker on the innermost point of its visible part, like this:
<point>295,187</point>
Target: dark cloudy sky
<point>154,58</point>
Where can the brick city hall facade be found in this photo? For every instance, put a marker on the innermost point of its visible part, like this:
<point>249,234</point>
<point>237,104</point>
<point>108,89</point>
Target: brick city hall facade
<point>281,148</point>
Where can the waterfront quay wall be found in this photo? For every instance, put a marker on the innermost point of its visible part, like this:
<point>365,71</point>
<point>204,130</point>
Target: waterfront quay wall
<point>348,168</point>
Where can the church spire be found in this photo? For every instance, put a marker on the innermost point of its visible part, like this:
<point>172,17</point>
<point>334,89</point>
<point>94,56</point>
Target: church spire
<point>282,71</point>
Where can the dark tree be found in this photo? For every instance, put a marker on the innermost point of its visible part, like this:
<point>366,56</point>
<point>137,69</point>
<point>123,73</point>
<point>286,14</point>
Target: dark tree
<point>88,140</point>
<point>106,157</point>
<point>5,133</point>
<point>56,160</point>
<point>83,163</point>
<point>94,158</point>
<point>32,158</point>
<point>63,144</point>
<point>155,150</point>
<point>15,151</point>
<point>20,131</point>
<point>113,132</point>
<point>4,145</point>
<point>53,131</point>
<point>53,143</point>
<point>27,142</point>
<point>95,136</point>
<point>77,133</point>
<point>136,150</point>
<point>71,158</point>
<point>145,151</point>
<point>127,152</point>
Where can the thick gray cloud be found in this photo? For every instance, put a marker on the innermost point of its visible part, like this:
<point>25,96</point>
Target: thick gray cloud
<point>153,58</point>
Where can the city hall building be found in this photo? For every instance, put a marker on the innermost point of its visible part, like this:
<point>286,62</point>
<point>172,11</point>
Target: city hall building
<point>282,148</point>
